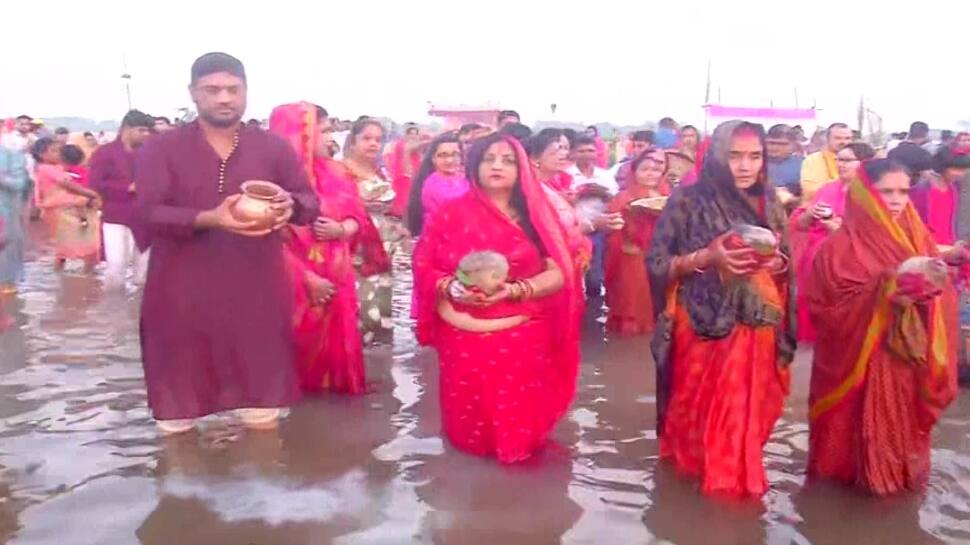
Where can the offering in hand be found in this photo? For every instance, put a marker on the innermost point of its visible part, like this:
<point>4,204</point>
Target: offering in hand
<point>761,240</point>
<point>921,277</point>
<point>650,204</point>
<point>376,189</point>
<point>590,207</point>
<point>485,271</point>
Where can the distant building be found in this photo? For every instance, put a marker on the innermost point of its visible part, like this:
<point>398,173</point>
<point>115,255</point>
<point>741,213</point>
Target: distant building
<point>455,116</point>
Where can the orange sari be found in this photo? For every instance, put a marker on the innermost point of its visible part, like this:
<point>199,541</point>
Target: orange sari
<point>878,391</point>
<point>627,287</point>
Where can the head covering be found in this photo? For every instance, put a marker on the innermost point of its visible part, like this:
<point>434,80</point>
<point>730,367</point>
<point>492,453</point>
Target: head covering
<point>212,63</point>
<point>542,216</point>
<point>856,292</point>
<point>298,124</point>
<point>714,306</point>
<point>913,156</point>
<point>552,235</point>
<point>693,217</point>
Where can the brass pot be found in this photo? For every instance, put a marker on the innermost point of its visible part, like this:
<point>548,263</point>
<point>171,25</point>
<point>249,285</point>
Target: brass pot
<point>255,204</point>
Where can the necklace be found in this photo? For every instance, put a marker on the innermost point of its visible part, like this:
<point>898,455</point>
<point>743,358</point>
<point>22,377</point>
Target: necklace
<point>223,162</point>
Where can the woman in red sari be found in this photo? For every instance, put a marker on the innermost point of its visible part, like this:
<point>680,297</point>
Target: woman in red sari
<point>885,362</point>
<point>627,288</point>
<point>724,337</point>
<point>501,392</point>
<point>330,353</point>
<point>405,160</point>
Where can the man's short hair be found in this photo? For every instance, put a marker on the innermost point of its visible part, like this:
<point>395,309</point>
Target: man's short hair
<point>137,118</point>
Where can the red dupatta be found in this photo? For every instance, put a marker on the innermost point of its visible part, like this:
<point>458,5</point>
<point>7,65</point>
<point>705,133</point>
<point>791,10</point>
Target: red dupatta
<point>850,295</point>
<point>339,198</point>
<point>565,312</point>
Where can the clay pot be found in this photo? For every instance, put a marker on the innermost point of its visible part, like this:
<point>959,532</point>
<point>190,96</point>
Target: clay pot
<point>258,196</point>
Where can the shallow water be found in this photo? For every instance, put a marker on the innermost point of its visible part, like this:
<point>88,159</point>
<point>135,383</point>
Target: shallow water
<point>81,462</point>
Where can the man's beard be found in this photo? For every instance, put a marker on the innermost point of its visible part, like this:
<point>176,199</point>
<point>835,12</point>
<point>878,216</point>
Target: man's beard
<point>219,122</point>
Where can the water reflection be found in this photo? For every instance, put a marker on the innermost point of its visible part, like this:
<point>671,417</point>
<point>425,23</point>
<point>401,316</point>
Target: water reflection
<point>81,462</point>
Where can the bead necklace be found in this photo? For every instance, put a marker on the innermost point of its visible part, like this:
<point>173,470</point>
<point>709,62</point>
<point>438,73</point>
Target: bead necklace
<point>222,163</point>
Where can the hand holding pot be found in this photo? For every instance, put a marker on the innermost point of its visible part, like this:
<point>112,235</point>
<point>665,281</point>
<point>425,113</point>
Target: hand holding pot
<point>223,217</point>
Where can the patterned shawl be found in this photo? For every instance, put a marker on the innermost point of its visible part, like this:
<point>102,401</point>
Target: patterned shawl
<point>693,217</point>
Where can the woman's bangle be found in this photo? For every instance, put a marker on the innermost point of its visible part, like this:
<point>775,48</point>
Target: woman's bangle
<point>530,289</point>
<point>695,260</point>
<point>444,284</point>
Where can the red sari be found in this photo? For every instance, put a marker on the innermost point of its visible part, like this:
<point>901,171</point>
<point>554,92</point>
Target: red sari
<point>503,392</point>
<point>403,167</point>
<point>627,286</point>
<point>872,408</point>
<point>328,342</point>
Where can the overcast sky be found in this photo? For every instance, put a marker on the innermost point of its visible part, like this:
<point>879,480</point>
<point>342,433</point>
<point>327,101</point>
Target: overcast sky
<point>598,60</point>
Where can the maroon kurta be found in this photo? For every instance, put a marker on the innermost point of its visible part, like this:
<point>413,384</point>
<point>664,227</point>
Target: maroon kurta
<point>215,323</point>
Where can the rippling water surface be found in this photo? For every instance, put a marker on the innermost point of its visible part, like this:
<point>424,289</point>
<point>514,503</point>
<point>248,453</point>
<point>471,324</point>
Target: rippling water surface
<point>81,462</point>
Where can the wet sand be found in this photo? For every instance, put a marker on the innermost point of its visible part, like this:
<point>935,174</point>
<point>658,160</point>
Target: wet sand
<point>81,462</point>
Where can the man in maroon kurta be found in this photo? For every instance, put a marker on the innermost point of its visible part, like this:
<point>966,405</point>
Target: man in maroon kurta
<point>215,325</point>
<point>112,176</point>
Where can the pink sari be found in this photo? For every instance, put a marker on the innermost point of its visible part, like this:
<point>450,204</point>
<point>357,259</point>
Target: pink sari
<point>330,352</point>
<point>502,392</point>
<point>806,244</point>
<point>75,228</point>
<point>439,189</point>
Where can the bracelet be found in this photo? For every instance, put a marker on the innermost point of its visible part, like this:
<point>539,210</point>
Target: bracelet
<point>530,289</point>
<point>522,290</point>
<point>444,284</point>
<point>697,257</point>
<point>515,290</point>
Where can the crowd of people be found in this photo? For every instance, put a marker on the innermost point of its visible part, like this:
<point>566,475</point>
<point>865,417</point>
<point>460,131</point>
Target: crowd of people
<point>726,249</point>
